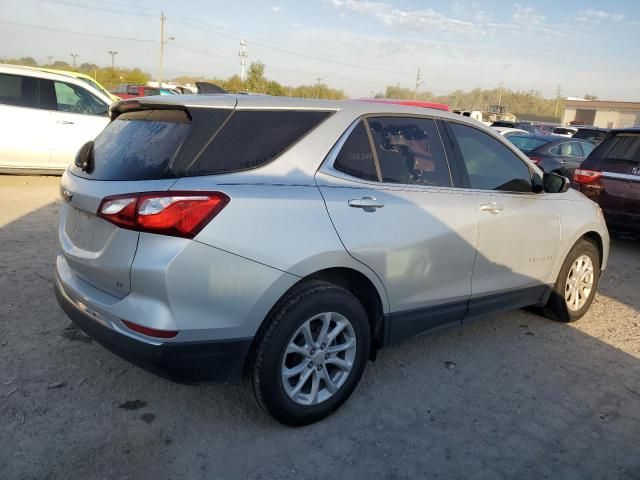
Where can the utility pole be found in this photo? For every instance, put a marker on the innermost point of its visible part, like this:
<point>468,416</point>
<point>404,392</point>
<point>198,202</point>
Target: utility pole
<point>74,56</point>
<point>163,42</point>
<point>318,82</point>
<point>113,53</point>
<point>419,82</point>
<point>50,58</point>
<point>500,95</point>
<point>243,58</point>
<point>558,95</point>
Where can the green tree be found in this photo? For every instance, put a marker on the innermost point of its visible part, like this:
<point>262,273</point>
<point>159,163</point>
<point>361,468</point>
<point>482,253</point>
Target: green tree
<point>256,82</point>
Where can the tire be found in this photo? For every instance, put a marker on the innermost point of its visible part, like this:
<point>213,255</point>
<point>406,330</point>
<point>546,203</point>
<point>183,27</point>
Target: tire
<point>559,307</point>
<point>314,304</point>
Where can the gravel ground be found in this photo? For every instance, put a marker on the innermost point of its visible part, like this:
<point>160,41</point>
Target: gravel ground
<point>515,396</point>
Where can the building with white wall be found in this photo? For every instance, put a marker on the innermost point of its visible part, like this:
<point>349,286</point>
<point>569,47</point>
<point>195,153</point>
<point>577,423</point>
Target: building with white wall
<point>602,113</point>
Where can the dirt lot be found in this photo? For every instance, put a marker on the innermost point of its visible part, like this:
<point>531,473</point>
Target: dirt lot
<point>516,396</point>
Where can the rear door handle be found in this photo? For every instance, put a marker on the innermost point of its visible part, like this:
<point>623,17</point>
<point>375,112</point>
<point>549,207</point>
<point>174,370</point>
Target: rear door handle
<point>65,122</point>
<point>491,207</point>
<point>368,204</point>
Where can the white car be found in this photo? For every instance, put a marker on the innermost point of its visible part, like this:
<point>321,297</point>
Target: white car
<point>507,132</point>
<point>45,118</point>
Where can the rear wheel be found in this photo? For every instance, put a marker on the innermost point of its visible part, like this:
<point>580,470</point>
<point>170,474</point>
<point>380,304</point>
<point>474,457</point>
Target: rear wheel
<point>577,283</point>
<point>312,353</point>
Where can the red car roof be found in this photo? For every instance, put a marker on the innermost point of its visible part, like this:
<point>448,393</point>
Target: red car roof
<point>408,103</point>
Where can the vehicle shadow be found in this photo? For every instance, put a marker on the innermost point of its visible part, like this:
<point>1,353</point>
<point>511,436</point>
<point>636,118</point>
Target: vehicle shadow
<point>514,396</point>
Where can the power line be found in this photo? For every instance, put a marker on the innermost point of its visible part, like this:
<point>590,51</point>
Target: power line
<point>61,30</point>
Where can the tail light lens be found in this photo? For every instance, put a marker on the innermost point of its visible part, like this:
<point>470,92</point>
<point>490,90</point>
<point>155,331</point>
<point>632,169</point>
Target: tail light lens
<point>179,214</point>
<point>535,160</point>
<point>587,177</point>
<point>150,332</point>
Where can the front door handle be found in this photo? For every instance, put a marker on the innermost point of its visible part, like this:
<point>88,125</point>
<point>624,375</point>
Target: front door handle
<point>65,122</point>
<point>491,207</point>
<point>368,204</point>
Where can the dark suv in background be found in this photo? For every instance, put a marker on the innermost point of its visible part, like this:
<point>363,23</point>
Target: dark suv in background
<point>610,176</point>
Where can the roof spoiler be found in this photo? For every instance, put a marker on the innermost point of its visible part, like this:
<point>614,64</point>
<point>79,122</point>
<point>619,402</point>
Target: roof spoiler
<point>207,87</point>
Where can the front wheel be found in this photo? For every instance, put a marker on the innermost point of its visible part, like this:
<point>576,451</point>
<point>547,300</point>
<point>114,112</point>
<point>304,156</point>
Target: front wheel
<point>311,354</point>
<point>576,285</point>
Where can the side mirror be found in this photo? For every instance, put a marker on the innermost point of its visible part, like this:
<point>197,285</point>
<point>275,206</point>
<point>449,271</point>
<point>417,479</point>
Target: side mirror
<point>554,183</point>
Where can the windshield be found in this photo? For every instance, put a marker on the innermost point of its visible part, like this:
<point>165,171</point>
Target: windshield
<point>527,144</point>
<point>96,86</point>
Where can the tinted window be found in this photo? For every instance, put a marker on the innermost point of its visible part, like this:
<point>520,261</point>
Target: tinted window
<point>593,136</point>
<point>621,148</point>
<point>587,148</point>
<point>567,149</point>
<point>18,91</point>
<point>410,151</point>
<point>355,157</point>
<point>251,139</point>
<point>137,146</point>
<point>74,99</point>
<point>490,164</point>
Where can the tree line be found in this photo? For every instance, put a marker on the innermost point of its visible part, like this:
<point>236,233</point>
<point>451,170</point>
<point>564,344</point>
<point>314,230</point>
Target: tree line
<point>530,104</point>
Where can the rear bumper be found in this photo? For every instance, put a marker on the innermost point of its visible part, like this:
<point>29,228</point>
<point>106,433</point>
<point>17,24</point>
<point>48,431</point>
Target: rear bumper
<point>622,222</point>
<point>184,362</point>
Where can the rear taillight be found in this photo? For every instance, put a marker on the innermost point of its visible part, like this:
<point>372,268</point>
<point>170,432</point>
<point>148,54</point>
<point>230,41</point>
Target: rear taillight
<point>586,177</point>
<point>535,160</point>
<point>150,332</point>
<point>179,214</point>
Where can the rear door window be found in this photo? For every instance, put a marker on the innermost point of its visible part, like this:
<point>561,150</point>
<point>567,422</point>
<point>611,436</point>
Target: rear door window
<point>18,90</point>
<point>490,164</point>
<point>410,151</point>
<point>356,157</point>
<point>253,138</point>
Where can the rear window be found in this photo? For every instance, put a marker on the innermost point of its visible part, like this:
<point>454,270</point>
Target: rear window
<point>593,136</point>
<point>137,146</point>
<point>525,143</point>
<point>155,144</point>
<point>623,147</point>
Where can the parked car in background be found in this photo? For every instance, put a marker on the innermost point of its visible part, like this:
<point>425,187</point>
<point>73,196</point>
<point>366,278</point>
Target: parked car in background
<point>45,118</point>
<point>125,91</point>
<point>537,128</point>
<point>591,134</point>
<point>610,176</point>
<point>564,131</point>
<point>553,153</point>
<point>508,132</point>
<point>376,222</point>
<point>504,124</point>
<point>81,76</point>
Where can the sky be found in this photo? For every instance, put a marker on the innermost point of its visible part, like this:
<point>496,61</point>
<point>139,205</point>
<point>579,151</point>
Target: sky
<point>360,46</point>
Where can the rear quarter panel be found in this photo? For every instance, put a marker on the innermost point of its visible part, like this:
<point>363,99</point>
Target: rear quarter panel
<point>282,226</point>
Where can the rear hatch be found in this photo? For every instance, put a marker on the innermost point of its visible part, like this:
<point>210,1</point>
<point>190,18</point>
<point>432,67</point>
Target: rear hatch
<point>134,153</point>
<point>150,145</point>
<point>618,160</point>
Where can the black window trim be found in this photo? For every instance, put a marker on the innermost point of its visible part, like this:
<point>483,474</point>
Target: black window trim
<point>463,168</point>
<point>328,168</point>
<point>560,144</point>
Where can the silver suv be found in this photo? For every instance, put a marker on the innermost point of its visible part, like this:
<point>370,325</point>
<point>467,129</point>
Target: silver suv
<point>216,237</point>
